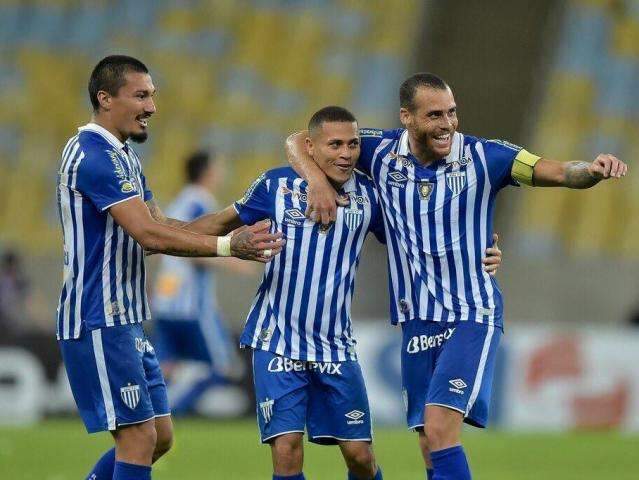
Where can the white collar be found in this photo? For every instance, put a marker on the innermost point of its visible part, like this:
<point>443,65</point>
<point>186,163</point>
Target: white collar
<point>404,148</point>
<point>349,185</point>
<point>108,136</point>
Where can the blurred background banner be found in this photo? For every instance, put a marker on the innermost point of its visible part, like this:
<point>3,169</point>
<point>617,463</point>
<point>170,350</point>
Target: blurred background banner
<point>559,77</point>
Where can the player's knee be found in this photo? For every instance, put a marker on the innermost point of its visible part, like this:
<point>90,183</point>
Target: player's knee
<point>163,444</point>
<point>438,435</point>
<point>137,441</point>
<point>361,461</point>
<point>288,451</point>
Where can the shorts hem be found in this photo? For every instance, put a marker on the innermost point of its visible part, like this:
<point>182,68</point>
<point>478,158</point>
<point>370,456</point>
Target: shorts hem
<point>162,415</point>
<point>118,424</point>
<point>463,412</point>
<point>314,439</point>
<point>265,440</point>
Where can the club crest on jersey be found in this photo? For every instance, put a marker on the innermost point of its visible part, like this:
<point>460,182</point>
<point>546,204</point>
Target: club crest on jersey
<point>425,189</point>
<point>353,218</point>
<point>456,181</point>
<point>267,409</point>
<point>293,216</point>
<point>397,179</point>
<point>130,395</point>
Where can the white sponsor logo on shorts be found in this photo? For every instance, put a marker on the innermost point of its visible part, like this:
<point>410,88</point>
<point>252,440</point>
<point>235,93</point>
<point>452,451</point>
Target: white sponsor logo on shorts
<point>130,395</point>
<point>355,417</point>
<point>267,409</point>
<point>421,343</point>
<point>458,383</point>
<point>282,364</point>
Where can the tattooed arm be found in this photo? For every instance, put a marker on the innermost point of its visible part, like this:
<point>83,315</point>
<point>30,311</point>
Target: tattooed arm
<point>158,215</point>
<point>249,244</point>
<point>551,173</point>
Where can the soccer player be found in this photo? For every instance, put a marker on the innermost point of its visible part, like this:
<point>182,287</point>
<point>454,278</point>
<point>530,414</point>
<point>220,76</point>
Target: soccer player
<point>437,189</point>
<point>112,369</point>
<point>306,372</point>
<point>188,323</point>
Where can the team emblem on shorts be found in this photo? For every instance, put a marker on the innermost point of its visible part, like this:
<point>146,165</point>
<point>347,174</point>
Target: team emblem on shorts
<point>130,395</point>
<point>267,409</point>
<point>456,181</point>
<point>425,189</point>
<point>353,218</point>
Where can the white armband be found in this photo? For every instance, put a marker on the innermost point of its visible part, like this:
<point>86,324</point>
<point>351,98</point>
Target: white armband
<point>224,246</point>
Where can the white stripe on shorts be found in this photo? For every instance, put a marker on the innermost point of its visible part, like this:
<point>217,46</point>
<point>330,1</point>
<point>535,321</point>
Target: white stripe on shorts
<point>104,378</point>
<point>480,369</point>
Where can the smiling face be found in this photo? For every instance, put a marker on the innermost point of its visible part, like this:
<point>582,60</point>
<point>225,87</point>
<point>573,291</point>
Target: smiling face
<point>130,108</point>
<point>335,148</point>
<point>431,121</point>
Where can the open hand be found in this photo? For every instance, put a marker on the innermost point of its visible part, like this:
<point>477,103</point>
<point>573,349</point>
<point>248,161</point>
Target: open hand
<point>256,243</point>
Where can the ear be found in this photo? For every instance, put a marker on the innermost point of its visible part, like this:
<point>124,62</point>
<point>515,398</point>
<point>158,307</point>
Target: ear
<point>405,116</point>
<point>104,98</point>
<point>309,146</point>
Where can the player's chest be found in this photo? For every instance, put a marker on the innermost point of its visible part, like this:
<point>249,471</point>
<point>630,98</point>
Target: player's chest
<point>351,221</point>
<point>409,187</point>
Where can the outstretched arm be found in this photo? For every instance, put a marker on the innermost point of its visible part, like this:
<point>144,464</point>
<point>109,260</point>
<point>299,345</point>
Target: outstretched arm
<point>159,216</point>
<point>218,223</point>
<point>322,197</point>
<point>250,244</point>
<point>551,173</point>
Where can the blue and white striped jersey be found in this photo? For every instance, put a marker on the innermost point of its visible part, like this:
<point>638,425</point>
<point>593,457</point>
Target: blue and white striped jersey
<point>302,309</point>
<point>439,221</point>
<point>183,289</point>
<point>104,276</point>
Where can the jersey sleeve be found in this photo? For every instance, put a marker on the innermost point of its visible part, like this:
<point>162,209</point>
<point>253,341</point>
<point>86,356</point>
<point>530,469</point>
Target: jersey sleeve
<point>369,138</point>
<point>508,164</point>
<point>102,178</point>
<point>376,226</point>
<point>148,194</point>
<point>256,204</point>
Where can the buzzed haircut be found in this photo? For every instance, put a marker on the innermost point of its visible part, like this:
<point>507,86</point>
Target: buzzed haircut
<point>408,89</point>
<point>109,75</point>
<point>197,163</point>
<point>330,114</point>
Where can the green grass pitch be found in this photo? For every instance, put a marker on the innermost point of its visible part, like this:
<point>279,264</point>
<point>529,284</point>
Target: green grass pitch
<point>61,450</point>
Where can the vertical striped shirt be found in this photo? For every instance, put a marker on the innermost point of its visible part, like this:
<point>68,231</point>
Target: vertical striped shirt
<point>183,289</point>
<point>302,309</point>
<point>104,277</point>
<point>439,222</point>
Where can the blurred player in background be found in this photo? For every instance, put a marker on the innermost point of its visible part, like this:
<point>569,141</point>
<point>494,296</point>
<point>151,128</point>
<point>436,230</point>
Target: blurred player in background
<point>108,219</point>
<point>188,325</point>
<point>437,188</point>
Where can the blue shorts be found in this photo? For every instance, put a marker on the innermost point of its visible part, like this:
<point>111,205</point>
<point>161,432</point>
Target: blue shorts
<point>328,398</point>
<point>206,340</point>
<point>115,377</point>
<point>448,365</point>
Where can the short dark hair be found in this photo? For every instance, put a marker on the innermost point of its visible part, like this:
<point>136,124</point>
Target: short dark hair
<point>197,163</point>
<point>408,89</point>
<point>108,75</point>
<point>330,114</point>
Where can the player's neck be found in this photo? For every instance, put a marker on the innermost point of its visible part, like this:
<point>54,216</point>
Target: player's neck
<point>423,155</point>
<point>104,122</point>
